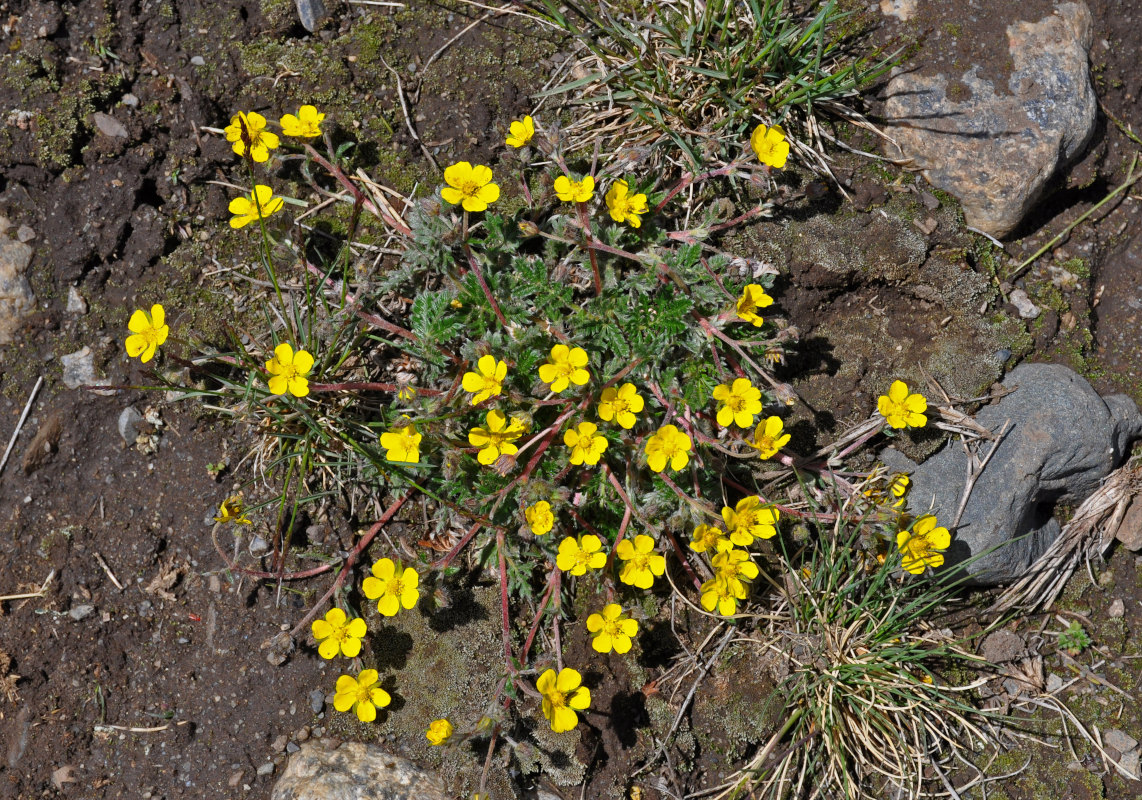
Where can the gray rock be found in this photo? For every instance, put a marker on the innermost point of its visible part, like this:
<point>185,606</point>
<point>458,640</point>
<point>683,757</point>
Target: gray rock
<point>1117,609</point>
<point>258,545</point>
<point>75,302</point>
<point>79,369</point>
<point>1063,439</point>
<point>1119,740</point>
<point>130,100</point>
<point>311,13</point>
<point>109,126</point>
<point>130,421</point>
<point>316,702</point>
<point>997,151</point>
<point>1054,683</point>
<point>25,234</point>
<point>81,612</point>
<point>1002,646</point>
<point>1023,304</point>
<point>266,769</point>
<point>354,771</point>
<point>1131,763</point>
<point>16,298</point>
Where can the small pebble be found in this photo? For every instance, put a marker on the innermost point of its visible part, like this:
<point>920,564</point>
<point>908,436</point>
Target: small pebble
<point>132,101</point>
<point>235,779</point>
<point>279,744</point>
<point>25,234</point>
<point>292,747</point>
<point>316,702</point>
<point>145,608</point>
<point>1119,740</point>
<point>198,61</point>
<point>302,734</point>
<point>258,545</point>
<point>1023,304</point>
<point>266,769</point>
<point>75,302</point>
<point>1117,609</point>
<point>1054,683</point>
<point>81,612</point>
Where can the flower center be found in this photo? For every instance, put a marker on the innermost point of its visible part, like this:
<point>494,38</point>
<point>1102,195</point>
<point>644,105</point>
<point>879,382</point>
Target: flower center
<point>364,694</point>
<point>896,409</point>
<point>641,562</point>
<point>735,402</point>
<point>764,442</point>
<point>470,188</point>
<point>557,698</point>
<point>395,586</point>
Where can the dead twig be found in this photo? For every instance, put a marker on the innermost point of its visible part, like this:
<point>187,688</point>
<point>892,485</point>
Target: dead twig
<point>30,595</point>
<point>20,424</point>
<point>107,569</point>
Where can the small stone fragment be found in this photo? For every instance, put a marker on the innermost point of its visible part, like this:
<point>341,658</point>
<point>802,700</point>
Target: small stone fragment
<point>198,61</point>
<point>1130,531</point>
<point>25,234</point>
<point>354,770</point>
<point>109,126</point>
<point>1023,304</point>
<point>1002,646</point>
<point>316,704</point>
<point>131,101</point>
<point>16,298</point>
<point>235,779</point>
<point>1119,740</point>
<point>279,744</point>
<point>1054,683</point>
<point>1130,763</point>
<point>75,302</point>
<point>81,612</point>
<point>79,369</point>
<point>130,421</point>
<point>258,545</point>
<point>1117,609</point>
<point>266,769</point>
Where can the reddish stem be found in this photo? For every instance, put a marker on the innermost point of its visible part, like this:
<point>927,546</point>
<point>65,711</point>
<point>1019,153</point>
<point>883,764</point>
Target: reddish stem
<point>553,582</point>
<point>505,618</point>
<point>358,195</point>
<point>474,263</point>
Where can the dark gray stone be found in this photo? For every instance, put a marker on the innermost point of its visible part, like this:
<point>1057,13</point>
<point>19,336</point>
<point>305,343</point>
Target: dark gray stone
<point>1062,440</point>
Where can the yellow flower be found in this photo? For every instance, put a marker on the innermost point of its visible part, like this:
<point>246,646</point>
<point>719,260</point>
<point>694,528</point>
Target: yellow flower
<point>770,145</point>
<point>642,562</point>
<point>898,487</point>
<point>586,444</point>
<point>488,379</point>
<point>750,520</point>
<point>574,191</point>
<point>148,331</point>
<point>565,365</point>
<point>709,537</point>
<point>337,636</point>
<point>919,547</point>
<point>734,566</point>
<point>470,186</point>
<point>901,409</point>
<point>723,595</point>
<point>738,403</point>
<point>768,438</point>
<point>579,555</point>
<point>361,693</point>
<point>753,297</point>
<point>539,517</point>
<point>288,370</point>
<point>520,132</point>
<point>260,204</point>
<point>620,404</point>
<point>668,444</point>
<point>563,694</point>
<point>231,510</point>
<point>625,207</point>
<point>613,630</point>
<point>249,130</point>
<point>307,123</point>
<point>392,587</point>
<point>403,445</point>
<point>496,439</point>
<point>439,731</point>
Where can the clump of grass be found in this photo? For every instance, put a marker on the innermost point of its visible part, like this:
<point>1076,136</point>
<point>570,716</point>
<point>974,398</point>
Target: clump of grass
<point>696,77</point>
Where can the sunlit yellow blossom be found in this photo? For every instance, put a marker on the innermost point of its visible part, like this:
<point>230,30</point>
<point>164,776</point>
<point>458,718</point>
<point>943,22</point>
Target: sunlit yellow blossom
<point>579,555</point>
<point>248,129</point>
<point>575,191</point>
<point>259,205</point>
<point>668,445</point>
<point>613,629</point>
<point>620,404</point>
<point>232,510</point>
<point>307,123</point>
<point>563,695</point>
<point>642,562</point>
<point>768,438</point>
<point>402,445</point>
<point>734,565</point>
<point>723,595</point>
<point>565,365</point>
<point>750,520</point>
<point>539,517</point>
<point>902,409</point>
<point>336,635</point>
<point>586,444</point>
<point>488,379</point>
<point>520,132</point>
<point>738,403</point>
<point>770,145</point>
<point>920,547</point>
<point>392,587</point>
<point>710,537</point>
<point>496,438</point>
<point>470,186</point>
<point>148,331</point>
<point>288,370</point>
<point>439,731</point>
<point>624,206</point>
<point>898,487</point>
<point>361,693</point>
<point>753,298</point>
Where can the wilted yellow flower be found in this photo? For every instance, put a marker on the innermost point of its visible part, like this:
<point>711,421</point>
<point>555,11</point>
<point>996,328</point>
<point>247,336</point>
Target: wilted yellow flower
<point>620,404</point>
<point>392,587</point>
<point>539,517</point>
<point>361,693</point>
<point>563,694</point>
<point>403,445</point>
<point>488,379</point>
<point>148,331</point>
<point>613,630</point>
<point>574,191</point>
<point>259,205</point>
<point>470,186</point>
<point>565,365</point>
<point>902,409</point>
<point>920,547</point>
<point>439,731</point>
<point>586,444</point>
<point>232,510</point>
<point>750,520</point>
<point>668,445</point>
<point>642,562</point>
<point>768,438</point>
<point>738,403</point>
<point>496,438</point>
<point>579,555</point>
<point>307,123</point>
<point>709,537</point>
<point>288,370</point>
<point>770,145</point>
<point>753,297</point>
<point>624,206</point>
<point>520,132</point>
<point>336,635</point>
<point>248,129</point>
